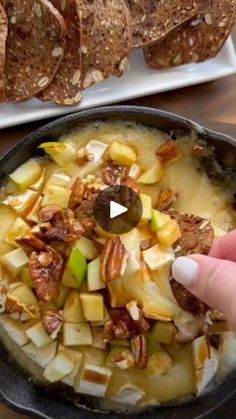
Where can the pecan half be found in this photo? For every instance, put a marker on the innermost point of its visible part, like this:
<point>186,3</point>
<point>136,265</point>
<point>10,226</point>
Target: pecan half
<point>52,322</point>
<point>78,192</point>
<point>46,269</point>
<point>138,317</point>
<point>121,326</point>
<point>168,151</point>
<point>130,183</point>
<point>114,260</point>
<point>124,360</point>
<point>112,173</point>
<point>166,198</point>
<point>30,241</point>
<point>140,351</point>
<point>83,156</point>
<point>64,226</point>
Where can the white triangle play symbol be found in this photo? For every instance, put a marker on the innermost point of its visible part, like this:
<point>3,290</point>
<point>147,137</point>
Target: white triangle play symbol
<point>116,209</point>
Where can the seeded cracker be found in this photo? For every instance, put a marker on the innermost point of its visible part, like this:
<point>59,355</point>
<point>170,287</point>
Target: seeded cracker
<point>106,39</point>
<point>196,41</point>
<point>151,20</point>
<point>66,87</point>
<point>3,38</point>
<point>35,47</point>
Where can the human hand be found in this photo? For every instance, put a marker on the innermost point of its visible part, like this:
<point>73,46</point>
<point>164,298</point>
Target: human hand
<point>212,278</point>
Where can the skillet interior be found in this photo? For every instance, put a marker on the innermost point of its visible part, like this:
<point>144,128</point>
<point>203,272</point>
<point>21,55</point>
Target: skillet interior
<point>16,389</point>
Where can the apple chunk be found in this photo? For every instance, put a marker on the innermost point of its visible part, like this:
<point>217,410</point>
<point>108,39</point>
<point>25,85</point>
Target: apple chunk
<point>92,305</point>
<point>122,153</point>
<point>94,277</point>
<point>15,329</point>
<point>15,261</point>
<point>155,258</point>
<point>72,311</point>
<point>152,175</point>
<point>76,269</point>
<point>77,334</point>
<point>18,229</point>
<point>146,201</point>
<point>26,175</point>
<point>169,233</point>
<point>94,380</point>
<point>38,335</point>
<point>63,154</point>
<point>42,356</point>
<point>21,203</point>
<point>61,366</point>
<point>57,196</point>
<point>86,247</point>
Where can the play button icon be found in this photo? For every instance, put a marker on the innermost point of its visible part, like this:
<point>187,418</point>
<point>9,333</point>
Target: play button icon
<point>118,209</point>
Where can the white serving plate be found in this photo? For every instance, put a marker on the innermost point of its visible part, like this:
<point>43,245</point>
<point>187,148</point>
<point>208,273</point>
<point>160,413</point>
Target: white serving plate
<point>138,81</point>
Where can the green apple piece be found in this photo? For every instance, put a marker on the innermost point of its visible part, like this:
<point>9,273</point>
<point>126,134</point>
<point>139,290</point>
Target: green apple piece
<point>98,338</point>
<point>104,320</point>
<point>26,175</point>
<point>32,216</point>
<point>131,241</point>
<point>94,277</point>
<point>72,312</point>
<point>18,229</point>
<point>26,278</point>
<point>57,196</point>
<point>155,258</point>
<point>152,175</point>
<point>60,301</point>
<point>21,204</point>
<point>162,332</point>
<point>15,261</point>
<point>61,366</point>
<point>94,380</point>
<point>42,356</point>
<point>63,154</point>
<point>146,201</point>
<point>77,357</point>
<point>38,335</point>
<point>86,247</point>
<point>77,334</point>
<point>76,269</point>
<point>122,153</point>
<point>109,358</point>
<point>15,329</point>
<point>58,179</point>
<point>158,220</point>
<point>92,305</point>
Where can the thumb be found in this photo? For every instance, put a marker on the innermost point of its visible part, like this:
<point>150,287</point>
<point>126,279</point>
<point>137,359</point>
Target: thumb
<point>211,280</point>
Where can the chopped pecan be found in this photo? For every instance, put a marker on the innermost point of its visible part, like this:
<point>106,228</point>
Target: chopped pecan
<point>49,213</point>
<point>198,150</point>
<point>3,296</point>
<point>18,310</point>
<point>88,224</point>
<point>138,317</point>
<point>83,156</point>
<point>64,227</point>
<point>85,210</point>
<point>168,151</point>
<point>78,192</point>
<point>52,322</point>
<point>46,269</point>
<point>197,234</point>
<point>112,173</point>
<point>121,330</point>
<point>30,241</point>
<point>124,360</point>
<point>114,260</point>
<point>166,198</point>
<point>140,351</point>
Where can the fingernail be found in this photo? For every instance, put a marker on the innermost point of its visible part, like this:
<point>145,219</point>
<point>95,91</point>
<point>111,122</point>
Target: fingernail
<point>185,270</point>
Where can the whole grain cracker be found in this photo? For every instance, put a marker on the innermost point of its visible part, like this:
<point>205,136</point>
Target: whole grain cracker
<point>151,20</point>
<point>106,39</point>
<point>195,41</point>
<point>3,39</point>
<point>35,47</point>
<point>66,87</point>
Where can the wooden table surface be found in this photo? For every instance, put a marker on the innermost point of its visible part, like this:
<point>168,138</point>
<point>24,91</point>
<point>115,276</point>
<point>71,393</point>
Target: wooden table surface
<point>212,105</point>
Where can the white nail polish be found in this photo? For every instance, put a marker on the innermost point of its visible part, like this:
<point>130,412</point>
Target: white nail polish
<point>185,270</point>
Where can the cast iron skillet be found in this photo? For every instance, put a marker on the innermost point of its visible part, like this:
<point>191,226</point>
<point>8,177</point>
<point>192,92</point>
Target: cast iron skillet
<point>16,389</point>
